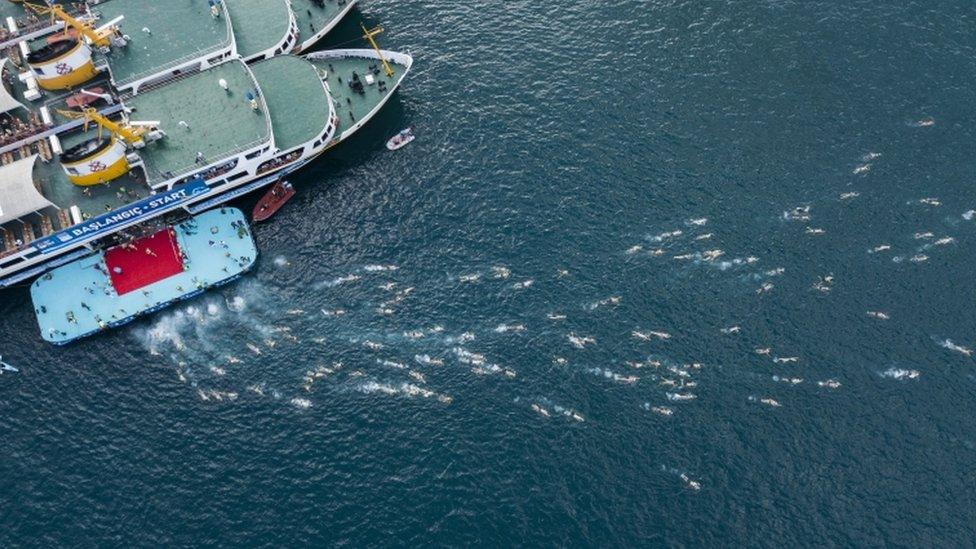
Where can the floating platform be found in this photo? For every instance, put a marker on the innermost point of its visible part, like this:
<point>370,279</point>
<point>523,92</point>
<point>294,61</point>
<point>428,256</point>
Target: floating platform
<point>112,288</point>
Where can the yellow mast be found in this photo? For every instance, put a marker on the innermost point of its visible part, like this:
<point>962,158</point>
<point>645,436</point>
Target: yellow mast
<point>125,132</point>
<point>370,37</point>
<point>99,38</point>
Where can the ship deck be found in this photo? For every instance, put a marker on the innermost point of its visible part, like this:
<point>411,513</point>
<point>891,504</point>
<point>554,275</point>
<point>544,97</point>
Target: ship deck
<point>79,299</point>
<point>258,24</point>
<point>351,106</point>
<point>219,123</point>
<point>177,32</point>
<point>297,100</point>
<point>312,16</point>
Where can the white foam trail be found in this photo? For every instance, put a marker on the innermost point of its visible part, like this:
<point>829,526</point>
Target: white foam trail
<point>697,222</point>
<point>392,364</point>
<point>500,272</point>
<point>302,403</point>
<point>470,277</point>
<point>281,261</point>
<point>660,410</point>
<point>706,236</point>
<point>923,236</point>
<point>849,195</point>
<point>948,344</point>
<point>465,356</point>
<point>666,235</point>
<point>341,280</point>
<point>968,215</point>
<point>404,389</point>
<point>555,316</point>
<point>900,373</point>
<point>236,304</point>
<point>829,384</point>
<point>930,201</point>
<point>878,315</point>
<point>611,375</point>
<point>731,330</point>
<point>650,334</point>
<point>379,268</point>
<point>427,359</point>
<point>506,328</point>
<point>799,213</point>
<point>334,312</point>
<point>863,168</point>
<point>765,288</point>
<point>523,285</point>
<point>634,249</point>
<point>613,300</point>
<point>814,231</point>
<point>580,342</point>
<point>786,360</point>
<point>789,380</point>
<point>680,397</point>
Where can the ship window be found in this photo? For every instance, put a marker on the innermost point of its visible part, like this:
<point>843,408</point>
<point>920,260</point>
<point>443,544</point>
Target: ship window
<point>73,171</point>
<point>254,154</point>
<point>237,176</point>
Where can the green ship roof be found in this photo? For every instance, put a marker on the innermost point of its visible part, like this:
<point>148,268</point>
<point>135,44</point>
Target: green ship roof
<point>178,31</point>
<point>296,99</point>
<point>221,123</point>
<point>258,24</point>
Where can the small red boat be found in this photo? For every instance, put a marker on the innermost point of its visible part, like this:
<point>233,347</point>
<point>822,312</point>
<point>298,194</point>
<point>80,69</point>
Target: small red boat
<point>273,200</point>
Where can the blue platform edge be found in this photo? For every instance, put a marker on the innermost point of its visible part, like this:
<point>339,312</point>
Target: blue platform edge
<point>76,300</point>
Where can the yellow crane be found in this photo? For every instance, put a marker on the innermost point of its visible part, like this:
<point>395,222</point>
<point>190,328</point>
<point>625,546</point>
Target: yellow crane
<point>101,37</point>
<point>370,36</point>
<point>133,135</point>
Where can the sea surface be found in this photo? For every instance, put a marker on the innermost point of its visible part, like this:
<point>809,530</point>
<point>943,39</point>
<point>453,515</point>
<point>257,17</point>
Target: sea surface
<point>653,273</point>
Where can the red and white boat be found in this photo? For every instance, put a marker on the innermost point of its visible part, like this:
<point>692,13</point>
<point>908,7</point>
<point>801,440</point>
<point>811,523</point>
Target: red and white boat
<point>273,200</point>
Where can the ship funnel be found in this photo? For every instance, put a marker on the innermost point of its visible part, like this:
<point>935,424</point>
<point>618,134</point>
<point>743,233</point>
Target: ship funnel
<point>95,161</point>
<point>63,64</point>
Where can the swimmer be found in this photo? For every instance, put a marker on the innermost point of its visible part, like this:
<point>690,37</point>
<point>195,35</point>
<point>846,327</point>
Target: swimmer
<point>829,384</point>
<point>254,348</point>
<point>770,402</point>
<point>656,252</point>
<point>580,342</point>
<point>919,258</point>
<point>500,272</point>
<point>634,249</point>
<point>556,316</point>
<point>705,236</point>
<point>944,241</point>
<point>663,410</point>
<point>469,278</point>
<point>523,285</point>
<point>684,256</point>
<point>678,397</point>
<point>930,202</point>
<point>849,195</point>
<point>863,168</point>
<point>763,351</point>
<point>878,314</point>
<point>881,248</point>
<point>559,361</point>
<point>540,410</point>
<point>233,360</point>
<point>731,330</point>
<point>296,312</point>
<point>765,288</point>
<point>786,360</point>
<point>698,222</point>
<point>814,231</point>
<point>388,286</point>
<point>923,236</point>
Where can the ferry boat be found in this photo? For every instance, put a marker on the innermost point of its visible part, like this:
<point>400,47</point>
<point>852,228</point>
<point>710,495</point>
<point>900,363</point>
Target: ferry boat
<point>179,120</point>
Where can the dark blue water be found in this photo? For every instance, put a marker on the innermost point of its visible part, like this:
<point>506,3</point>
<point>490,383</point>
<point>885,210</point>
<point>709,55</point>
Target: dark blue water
<point>439,398</point>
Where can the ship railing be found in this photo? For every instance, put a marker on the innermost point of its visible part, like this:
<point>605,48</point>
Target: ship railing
<point>171,175</point>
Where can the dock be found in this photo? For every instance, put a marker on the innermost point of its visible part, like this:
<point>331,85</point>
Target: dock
<point>113,287</point>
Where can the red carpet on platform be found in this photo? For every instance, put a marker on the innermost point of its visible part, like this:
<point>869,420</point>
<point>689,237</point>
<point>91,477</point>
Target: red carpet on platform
<point>132,267</point>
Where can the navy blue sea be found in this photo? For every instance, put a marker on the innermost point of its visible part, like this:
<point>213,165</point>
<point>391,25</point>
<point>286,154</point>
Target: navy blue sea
<point>653,273</point>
